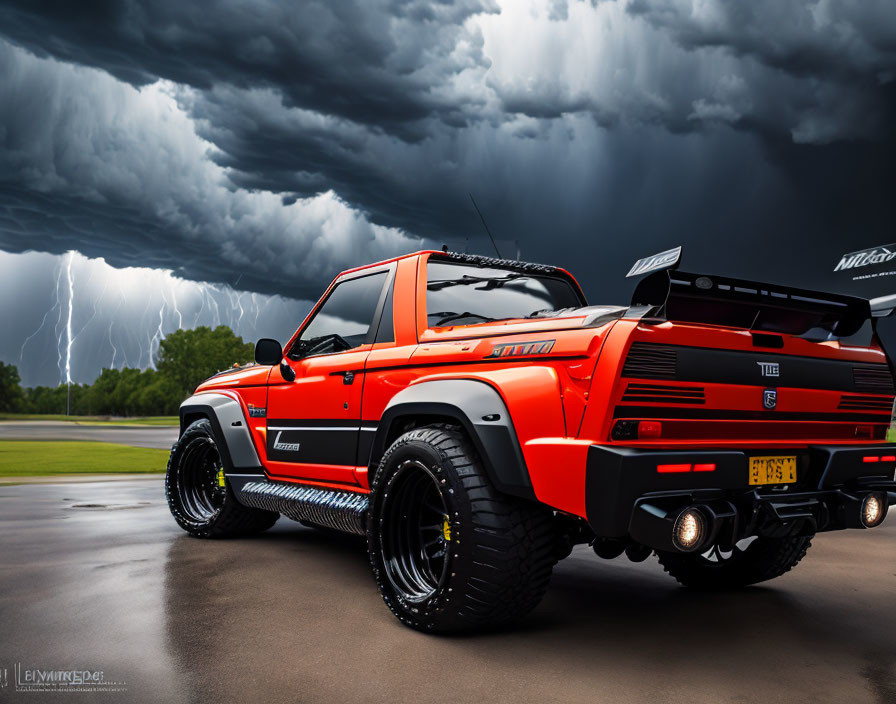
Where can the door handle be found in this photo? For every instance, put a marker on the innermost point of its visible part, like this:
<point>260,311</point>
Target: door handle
<point>348,377</point>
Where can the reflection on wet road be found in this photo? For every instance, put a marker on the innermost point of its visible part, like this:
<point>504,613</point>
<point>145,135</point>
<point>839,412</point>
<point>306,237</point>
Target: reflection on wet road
<point>98,576</point>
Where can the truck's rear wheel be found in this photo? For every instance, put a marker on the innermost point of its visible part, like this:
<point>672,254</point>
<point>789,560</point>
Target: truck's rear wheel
<point>762,559</point>
<point>199,497</point>
<point>448,551</point>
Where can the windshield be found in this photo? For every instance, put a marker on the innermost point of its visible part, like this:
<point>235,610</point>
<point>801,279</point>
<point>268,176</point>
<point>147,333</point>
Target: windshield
<point>458,294</point>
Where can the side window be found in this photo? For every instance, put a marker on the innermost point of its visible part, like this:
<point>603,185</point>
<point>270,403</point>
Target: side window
<point>343,321</point>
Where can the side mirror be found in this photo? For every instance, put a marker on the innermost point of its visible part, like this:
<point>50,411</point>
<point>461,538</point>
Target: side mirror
<point>268,352</point>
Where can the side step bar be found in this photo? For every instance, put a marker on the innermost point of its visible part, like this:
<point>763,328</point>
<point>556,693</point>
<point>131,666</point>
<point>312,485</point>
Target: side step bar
<point>331,508</point>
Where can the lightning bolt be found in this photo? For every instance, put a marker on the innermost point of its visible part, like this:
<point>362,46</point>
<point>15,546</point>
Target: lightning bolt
<point>142,327</point>
<point>158,336</point>
<point>111,343</point>
<point>39,328</point>
<point>201,307</point>
<point>57,326</point>
<point>239,303</point>
<point>96,301</point>
<point>68,324</point>
<point>215,303</point>
<point>46,315</point>
<point>180,318</point>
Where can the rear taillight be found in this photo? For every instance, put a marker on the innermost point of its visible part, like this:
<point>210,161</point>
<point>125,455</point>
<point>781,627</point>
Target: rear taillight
<point>675,468</point>
<point>637,430</point>
<point>650,429</point>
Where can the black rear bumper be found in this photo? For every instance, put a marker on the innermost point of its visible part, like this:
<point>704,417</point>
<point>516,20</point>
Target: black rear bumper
<point>626,497</point>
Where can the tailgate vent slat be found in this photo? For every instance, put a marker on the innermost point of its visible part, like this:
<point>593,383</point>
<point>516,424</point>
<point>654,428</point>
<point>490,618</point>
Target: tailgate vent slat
<point>865,403</point>
<point>651,361</point>
<point>662,393</point>
<point>873,379</point>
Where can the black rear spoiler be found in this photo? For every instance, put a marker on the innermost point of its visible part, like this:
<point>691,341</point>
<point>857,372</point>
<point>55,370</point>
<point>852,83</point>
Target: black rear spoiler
<point>883,307</point>
<point>718,300</point>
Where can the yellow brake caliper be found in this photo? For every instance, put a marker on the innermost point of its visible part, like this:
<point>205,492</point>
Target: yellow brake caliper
<point>446,529</point>
<point>221,476</point>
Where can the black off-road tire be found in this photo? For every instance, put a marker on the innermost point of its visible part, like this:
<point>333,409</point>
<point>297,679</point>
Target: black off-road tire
<point>761,560</point>
<point>500,551</point>
<point>199,505</point>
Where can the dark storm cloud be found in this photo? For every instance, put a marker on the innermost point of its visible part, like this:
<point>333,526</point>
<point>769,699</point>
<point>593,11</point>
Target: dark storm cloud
<point>655,141</point>
<point>758,134</point>
<point>833,39</point>
<point>92,164</point>
<point>394,66</point>
<point>380,63</point>
<point>838,54</point>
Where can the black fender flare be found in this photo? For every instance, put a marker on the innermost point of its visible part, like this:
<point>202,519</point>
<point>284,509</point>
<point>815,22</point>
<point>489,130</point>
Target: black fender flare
<point>479,409</point>
<point>231,430</point>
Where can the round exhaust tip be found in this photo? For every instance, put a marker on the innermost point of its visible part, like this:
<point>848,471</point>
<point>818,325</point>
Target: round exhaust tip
<point>874,509</point>
<point>689,530</point>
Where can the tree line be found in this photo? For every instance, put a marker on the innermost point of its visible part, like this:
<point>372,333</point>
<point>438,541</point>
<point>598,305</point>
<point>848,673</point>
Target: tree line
<point>184,359</point>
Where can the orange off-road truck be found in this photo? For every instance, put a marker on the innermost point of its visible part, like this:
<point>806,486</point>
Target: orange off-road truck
<point>476,418</point>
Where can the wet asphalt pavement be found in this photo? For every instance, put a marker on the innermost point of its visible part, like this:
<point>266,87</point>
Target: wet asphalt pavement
<point>161,437</point>
<point>98,576</point>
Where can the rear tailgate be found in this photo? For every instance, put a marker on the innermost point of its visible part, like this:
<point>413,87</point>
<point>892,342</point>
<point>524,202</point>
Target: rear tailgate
<point>716,384</point>
<point>717,361</point>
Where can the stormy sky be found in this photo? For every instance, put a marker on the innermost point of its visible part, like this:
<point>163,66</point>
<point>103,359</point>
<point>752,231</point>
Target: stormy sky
<point>247,151</point>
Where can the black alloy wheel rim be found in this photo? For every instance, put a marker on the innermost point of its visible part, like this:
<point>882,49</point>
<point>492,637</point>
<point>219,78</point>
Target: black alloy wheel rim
<point>414,543</point>
<point>198,491</point>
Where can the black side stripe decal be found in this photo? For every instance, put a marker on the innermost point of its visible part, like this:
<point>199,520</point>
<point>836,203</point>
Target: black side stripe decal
<point>319,441</point>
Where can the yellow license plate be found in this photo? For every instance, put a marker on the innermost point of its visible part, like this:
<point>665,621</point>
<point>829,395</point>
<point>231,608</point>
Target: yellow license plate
<point>772,470</point>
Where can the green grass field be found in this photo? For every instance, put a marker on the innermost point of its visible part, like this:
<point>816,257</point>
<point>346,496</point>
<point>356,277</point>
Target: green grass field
<point>20,458</point>
<point>94,420</point>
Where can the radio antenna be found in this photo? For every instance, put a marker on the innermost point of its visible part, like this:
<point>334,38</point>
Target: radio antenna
<point>488,232</point>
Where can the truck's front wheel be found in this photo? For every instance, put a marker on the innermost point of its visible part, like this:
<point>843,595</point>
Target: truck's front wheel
<point>198,494</point>
<point>448,551</point>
